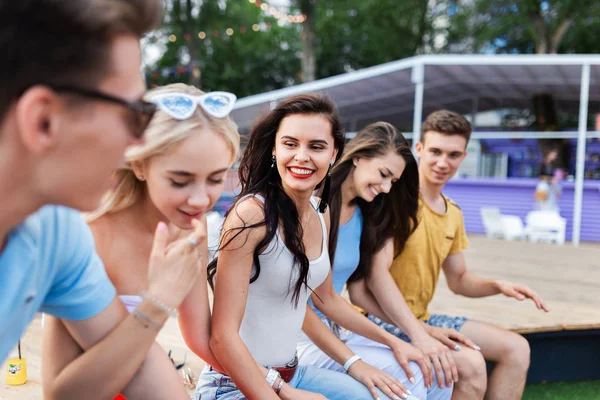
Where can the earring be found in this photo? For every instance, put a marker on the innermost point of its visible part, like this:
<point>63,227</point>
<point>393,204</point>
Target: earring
<point>325,193</point>
<point>141,177</point>
<point>273,161</point>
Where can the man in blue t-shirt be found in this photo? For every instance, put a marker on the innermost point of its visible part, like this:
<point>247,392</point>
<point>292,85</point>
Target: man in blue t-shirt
<point>70,102</point>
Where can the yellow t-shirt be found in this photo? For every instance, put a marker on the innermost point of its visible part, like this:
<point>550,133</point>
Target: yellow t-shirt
<point>417,269</point>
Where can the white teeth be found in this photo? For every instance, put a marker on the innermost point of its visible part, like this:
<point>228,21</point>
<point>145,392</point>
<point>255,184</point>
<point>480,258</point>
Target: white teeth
<point>301,171</point>
<point>373,191</point>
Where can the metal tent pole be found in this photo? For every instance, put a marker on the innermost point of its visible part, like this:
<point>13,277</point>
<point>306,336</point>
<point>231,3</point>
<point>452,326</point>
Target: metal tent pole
<point>417,77</point>
<point>580,165</point>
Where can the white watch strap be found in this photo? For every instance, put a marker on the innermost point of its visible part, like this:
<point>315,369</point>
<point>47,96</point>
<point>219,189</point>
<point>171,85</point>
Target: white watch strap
<point>351,361</point>
<point>272,376</point>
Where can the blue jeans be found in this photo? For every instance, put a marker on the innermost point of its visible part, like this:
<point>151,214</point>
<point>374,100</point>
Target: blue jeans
<point>213,385</point>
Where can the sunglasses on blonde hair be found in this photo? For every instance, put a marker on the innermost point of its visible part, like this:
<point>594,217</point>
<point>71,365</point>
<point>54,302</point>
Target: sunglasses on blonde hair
<point>182,105</point>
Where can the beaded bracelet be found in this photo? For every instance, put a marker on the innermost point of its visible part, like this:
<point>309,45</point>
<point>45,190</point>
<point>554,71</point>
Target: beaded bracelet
<point>146,321</point>
<point>169,310</point>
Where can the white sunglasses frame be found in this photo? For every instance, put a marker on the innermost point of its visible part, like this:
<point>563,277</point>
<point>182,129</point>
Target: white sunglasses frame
<point>197,101</point>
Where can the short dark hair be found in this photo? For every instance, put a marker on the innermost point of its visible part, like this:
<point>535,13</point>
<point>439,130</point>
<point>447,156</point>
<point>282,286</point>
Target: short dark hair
<point>54,42</point>
<point>447,123</point>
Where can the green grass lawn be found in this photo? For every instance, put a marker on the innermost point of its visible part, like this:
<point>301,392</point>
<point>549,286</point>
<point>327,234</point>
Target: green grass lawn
<point>563,391</point>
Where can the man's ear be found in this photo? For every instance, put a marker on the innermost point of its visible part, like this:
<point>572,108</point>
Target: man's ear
<point>37,118</point>
<point>419,149</point>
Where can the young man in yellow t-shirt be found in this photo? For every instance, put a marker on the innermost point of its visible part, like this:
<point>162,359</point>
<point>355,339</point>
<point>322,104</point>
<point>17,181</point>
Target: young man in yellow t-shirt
<point>437,244</point>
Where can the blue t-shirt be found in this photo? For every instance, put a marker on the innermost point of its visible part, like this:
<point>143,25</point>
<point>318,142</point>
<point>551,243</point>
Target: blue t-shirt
<point>347,253</point>
<point>49,264</point>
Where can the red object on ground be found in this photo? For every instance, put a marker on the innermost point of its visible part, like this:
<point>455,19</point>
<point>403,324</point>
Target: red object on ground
<point>120,397</point>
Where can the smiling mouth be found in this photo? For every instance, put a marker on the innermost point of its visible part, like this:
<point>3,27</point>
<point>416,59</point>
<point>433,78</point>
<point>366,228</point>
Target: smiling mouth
<point>373,191</point>
<point>301,173</point>
<point>191,215</point>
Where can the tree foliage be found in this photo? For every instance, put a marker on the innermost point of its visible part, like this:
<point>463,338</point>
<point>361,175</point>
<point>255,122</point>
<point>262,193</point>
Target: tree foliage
<point>347,35</point>
<point>524,27</point>
<point>353,34</point>
<point>245,62</point>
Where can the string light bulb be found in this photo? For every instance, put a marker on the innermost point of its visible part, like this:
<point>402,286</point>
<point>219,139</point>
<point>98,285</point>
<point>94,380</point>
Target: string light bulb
<point>281,17</point>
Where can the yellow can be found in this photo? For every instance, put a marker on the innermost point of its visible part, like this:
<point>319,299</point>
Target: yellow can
<point>16,371</point>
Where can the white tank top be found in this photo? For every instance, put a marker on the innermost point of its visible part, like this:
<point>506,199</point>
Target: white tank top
<point>271,326</point>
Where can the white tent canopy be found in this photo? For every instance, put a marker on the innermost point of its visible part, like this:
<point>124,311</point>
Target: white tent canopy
<point>403,91</point>
<point>462,83</point>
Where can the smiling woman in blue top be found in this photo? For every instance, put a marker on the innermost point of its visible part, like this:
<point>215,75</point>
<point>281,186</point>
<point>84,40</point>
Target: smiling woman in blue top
<point>374,203</point>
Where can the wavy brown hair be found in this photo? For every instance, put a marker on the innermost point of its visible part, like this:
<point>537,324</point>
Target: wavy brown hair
<point>389,215</point>
<point>258,177</point>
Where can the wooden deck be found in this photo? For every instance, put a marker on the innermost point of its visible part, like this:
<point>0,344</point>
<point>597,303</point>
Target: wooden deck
<point>565,277</point>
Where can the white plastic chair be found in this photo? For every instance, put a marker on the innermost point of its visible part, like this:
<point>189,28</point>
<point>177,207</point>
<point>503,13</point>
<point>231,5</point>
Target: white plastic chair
<point>492,222</point>
<point>513,227</point>
<point>546,226</point>
<point>497,225</point>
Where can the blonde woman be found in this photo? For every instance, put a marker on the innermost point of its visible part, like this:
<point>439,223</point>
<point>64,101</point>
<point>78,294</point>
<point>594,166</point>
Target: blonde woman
<point>175,176</point>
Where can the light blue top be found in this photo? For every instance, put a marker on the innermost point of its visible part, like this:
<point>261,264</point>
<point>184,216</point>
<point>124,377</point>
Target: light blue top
<point>49,265</point>
<point>347,253</point>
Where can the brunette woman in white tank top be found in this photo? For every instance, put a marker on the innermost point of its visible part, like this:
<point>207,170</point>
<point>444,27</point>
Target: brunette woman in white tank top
<point>273,255</point>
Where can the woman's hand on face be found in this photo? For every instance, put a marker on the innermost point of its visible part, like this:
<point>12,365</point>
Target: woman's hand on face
<point>173,268</point>
<point>374,379</point>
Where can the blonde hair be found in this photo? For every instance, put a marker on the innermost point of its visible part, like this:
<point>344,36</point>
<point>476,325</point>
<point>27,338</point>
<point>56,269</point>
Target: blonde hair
<point>161,136</point>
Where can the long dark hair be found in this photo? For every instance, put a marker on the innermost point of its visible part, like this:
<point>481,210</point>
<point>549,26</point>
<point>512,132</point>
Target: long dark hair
<point>389,215</point>
<point>258,177</point>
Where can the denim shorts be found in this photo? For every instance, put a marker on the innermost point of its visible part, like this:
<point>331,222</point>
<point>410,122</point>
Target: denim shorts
<point>437,320</point>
